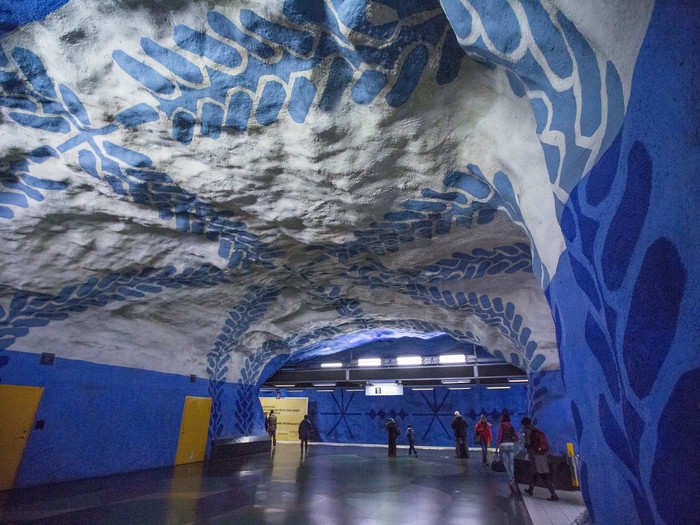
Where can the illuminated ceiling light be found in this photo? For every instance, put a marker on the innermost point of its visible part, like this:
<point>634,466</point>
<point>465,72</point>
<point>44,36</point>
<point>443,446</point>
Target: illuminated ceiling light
<point>324,384</point>
<point>354,389</point>
<point>452,358</point>
<point>459,388</point>
<point>517,380</point>
<point>333,364</point>
<point>422,388</point>
<point>325,390</point>
<point>409,360</point>
<point>455,381</point>
<point>369,361</point>
<point>284,386</point>
<point>497,387</point>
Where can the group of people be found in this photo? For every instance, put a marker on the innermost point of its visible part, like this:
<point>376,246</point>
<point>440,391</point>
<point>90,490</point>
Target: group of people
<point>534,442</point>
<point>305,430</point>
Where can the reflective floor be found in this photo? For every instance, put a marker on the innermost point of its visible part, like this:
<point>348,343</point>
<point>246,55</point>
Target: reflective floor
<point>333,485</point>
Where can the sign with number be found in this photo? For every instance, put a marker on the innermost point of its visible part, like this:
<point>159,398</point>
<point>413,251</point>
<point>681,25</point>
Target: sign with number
<point>384,389</point>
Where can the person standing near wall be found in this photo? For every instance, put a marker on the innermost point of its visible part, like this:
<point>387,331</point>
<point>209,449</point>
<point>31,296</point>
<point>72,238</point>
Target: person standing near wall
<point>537,449</point>
<point>305,429</point>
<point>483,433</point>
<point>507,437</point>
<point>271,427</point>
<point>459,426</point>
<point>411,437</point>
<point>393,430</point>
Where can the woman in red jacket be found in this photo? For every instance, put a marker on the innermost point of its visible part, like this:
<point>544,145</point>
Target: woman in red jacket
<point>483,432</point>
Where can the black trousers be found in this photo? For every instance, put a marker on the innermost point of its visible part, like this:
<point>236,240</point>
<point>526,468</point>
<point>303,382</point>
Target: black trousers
<point>546,479</point>
<point>273,437</point>
<point>392,448</point>
<point>461,447</point>
<point>304,445</point>
<point>412,447</point>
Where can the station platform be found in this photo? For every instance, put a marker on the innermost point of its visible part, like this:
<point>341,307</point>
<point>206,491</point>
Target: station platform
<point>330,485</point>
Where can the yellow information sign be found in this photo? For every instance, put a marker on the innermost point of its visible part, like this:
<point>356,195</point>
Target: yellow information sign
<point>290,411</point>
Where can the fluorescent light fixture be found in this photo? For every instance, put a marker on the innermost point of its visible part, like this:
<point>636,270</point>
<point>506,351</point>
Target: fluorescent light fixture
<point>354,389</point>
<point>517,380</point>
<point>369,361</point>
<point>459,388</point>
<point>497,387</point>
<point>325,390</point>
<point>409,360</point>
<point>324,384</point>
<point>455,381</point>
<point>284,386</point>
<point>452,358</point>
<point>333,364</point>
<point>422,388</point>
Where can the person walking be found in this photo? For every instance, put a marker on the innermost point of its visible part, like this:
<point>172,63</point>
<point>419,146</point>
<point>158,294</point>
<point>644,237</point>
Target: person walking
<point>483,433</point>
<point>271,426</point>
<point>305,428</point>
<point>459,426</point>
<point>393,431</point>
<point>537,450</point>
<point>411,437</point>
<point>507,437</point>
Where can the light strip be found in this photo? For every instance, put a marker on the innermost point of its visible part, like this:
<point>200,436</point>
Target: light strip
<point>497,387</point>
<point>409,360</point>
<point>284,386</point>
<point>333,364</point>
<point>354,389</point>
<point>420,388</point>
<point>324,384</point>
<point>517,380</point>
<point>455,381</point>
<point>369,361</point>
<point>325,390</point>
<point>452,358</point>
<point>459,388</point>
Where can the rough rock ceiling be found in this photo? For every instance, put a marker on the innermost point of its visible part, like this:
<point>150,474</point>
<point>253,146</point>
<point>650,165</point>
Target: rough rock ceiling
<point>215,180</point>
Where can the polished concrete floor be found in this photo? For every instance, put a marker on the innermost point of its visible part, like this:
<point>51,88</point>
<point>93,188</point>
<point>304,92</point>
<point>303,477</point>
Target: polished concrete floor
<point>332,485</point>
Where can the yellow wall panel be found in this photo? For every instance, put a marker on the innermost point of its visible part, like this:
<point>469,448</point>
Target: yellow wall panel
<point>18,406</point>
<point>290,411</point>
<point>192,445</point>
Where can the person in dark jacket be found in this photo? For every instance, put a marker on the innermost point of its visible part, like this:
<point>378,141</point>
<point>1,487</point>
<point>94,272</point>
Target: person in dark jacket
<point>271,427</point>
<point>507,437</point>
<point>537,451</point>
<point>459,426</point>
<point>482,432</point>
<point>393,430</point>
<point>411,437</point>
<point>305,429</point>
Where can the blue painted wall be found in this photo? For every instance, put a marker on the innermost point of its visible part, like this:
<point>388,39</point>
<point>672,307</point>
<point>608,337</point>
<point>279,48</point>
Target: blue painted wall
<point>625,294</point>
<point>352,417</point>
<point>15,13</point>
<point>100,420</point>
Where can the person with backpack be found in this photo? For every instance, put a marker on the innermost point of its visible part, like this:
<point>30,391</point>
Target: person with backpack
<point>459,426</point>
<point>482,432</point>
<point>305,429</point>
<point>411,437</point>
<point>507,437</point>
<point>537,449</point>
<point>393,430</point>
